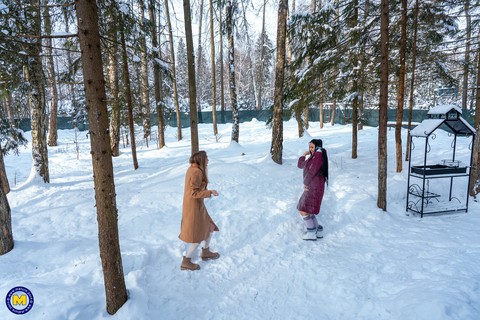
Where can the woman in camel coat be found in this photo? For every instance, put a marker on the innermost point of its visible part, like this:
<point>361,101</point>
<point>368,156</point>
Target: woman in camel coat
<point>197,225</point>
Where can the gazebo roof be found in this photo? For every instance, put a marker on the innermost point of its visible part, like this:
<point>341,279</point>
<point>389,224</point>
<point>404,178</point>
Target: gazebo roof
<point>447,115</point>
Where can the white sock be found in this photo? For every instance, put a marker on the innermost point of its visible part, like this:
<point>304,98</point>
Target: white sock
<point>207,241</point>
<point>191,250</point>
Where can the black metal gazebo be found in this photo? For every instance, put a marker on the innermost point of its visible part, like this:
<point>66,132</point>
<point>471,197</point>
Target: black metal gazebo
<point>427,192</point>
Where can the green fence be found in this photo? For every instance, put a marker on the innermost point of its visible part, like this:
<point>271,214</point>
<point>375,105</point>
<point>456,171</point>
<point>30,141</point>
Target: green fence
<point>342,116</point>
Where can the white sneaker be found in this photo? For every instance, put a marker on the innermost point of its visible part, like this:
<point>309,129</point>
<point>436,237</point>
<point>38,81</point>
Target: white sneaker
<point>310,235</point>
<point>319,232</point>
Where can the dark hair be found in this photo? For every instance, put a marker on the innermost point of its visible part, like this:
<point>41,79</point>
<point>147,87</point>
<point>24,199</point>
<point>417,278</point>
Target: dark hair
<point>319,147</point>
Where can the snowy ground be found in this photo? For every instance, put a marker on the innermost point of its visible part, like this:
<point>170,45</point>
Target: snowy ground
<point>370,265</point>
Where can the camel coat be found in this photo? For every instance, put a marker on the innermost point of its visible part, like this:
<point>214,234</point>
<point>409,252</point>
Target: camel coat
<point>196,222</point>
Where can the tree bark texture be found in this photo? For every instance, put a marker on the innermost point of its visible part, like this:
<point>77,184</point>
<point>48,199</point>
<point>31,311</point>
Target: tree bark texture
<point>214,82</point>
<point>468,20</point>
<point>173,70</point>
<point>262,57</point>
<point>231,71</point>
<point>199,60</point>
<point>53,132</point>
<point>412,79</point>
<point>157,75</point>
<point>401,88</point>
<point>355,125</point>
<point>192,87</point>
<point>36,81</point>
<point>6,235</point>
<point>276,149</point>
<point>113,81</point>
<point>107,215</point>
<point>383,112</point>
<point>222,79</point>
<point>145,105</point>
<point>128,96</point>
<point>475,167</point>
<point>4,185</point>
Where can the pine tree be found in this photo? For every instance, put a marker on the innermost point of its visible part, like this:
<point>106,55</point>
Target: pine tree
<point>107,214</point>
<point>276,149</point>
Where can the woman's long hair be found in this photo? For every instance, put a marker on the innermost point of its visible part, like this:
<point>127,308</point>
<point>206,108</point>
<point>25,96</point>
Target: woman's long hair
<point>200,158</point>
<point>319,147</point>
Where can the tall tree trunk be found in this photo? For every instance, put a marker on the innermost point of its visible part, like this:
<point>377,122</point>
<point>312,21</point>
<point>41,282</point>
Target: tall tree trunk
<point>37,97</point>
<point>222,79</point>
<point>276,149</point>
<point>173,70</point>
<point>4,185</point>
<point>361,76</point>
<point>107,214</point>
<point>113,80</point>
<point>52,134</point>
<point>401,87</point>
<point>355,38</point>
<point>383,112</point>
<point>6,235</point>
<point>262,57</point>
<point>355,126</point>
<point>10,110</point>
<point>157,75</point>
<point>466,63</point>
<point>412,79</point>
<point>289,51</point>
<point>298,116</point>
<point>128,94</point>
<point>145,105</point>
<point>231,71</point>
<point>475,167</point>
<point>199,61</point>
<point>72,93</point>
<point>192,86</point>
<point>332,112</point>
<point>214,83</point>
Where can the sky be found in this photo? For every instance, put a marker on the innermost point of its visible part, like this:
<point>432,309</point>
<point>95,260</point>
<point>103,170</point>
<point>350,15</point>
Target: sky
<point>370,264</point>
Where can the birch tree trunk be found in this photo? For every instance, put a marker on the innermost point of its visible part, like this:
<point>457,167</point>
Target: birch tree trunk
<point>52,133</point>
<point>112,73</point>
<point>36,82</point>
<point>276,149</point>
<point>401,87</point>
<point>262,57</point>
<point>382,121</point>
<point>107,214</point>
<point>231,71</point>
<point>467,54</point>
<point>173,70</point>
<point>192,86</point>
<point>145,105</point>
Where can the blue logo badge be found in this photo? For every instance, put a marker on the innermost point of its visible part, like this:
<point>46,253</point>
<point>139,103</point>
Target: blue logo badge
<point>19,300</point>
